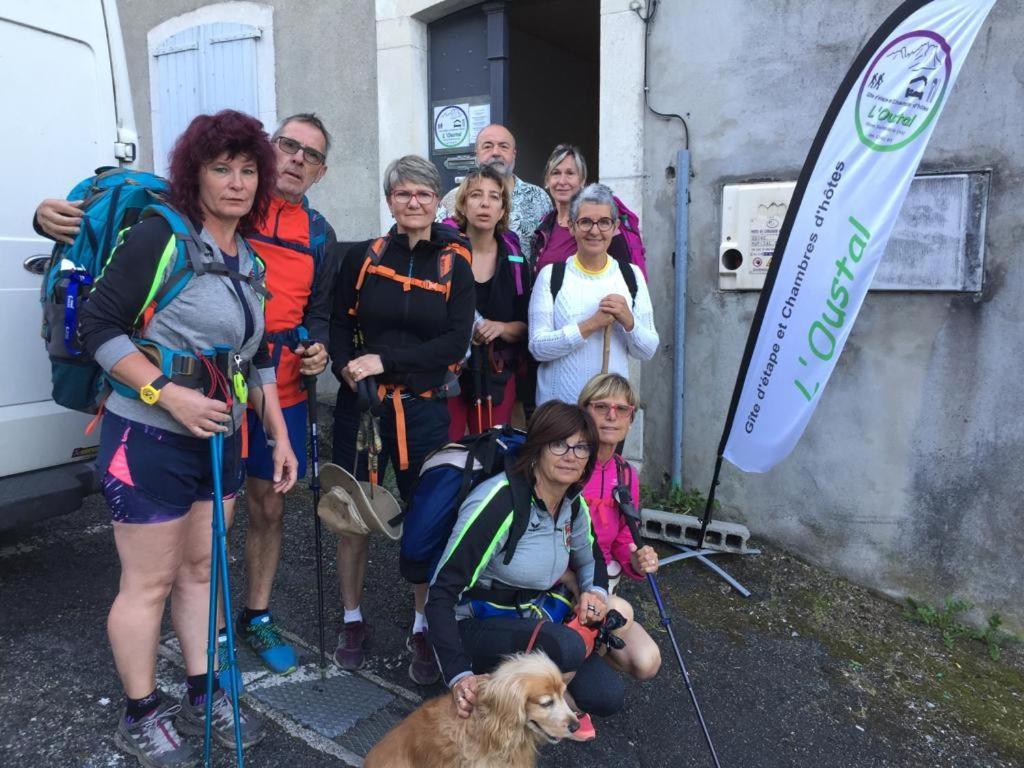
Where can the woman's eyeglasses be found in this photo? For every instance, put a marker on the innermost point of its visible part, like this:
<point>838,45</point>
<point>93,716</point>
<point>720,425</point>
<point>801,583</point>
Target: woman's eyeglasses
<point>291,146</point>
<point>404,197</point>
<point>602,408</point>
<point>603,224</point>
<point>562,447</point>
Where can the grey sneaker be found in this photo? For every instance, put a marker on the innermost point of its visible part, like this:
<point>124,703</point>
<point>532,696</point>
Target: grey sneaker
<point>192,720</point>
<point>155,741</point>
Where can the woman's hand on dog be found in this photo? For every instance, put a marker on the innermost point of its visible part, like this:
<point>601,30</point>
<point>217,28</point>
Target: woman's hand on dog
<point>464,694</point>
<point>591,608</point>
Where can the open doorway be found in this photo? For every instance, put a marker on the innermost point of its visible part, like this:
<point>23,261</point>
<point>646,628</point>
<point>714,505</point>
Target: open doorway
<point>554,80</point>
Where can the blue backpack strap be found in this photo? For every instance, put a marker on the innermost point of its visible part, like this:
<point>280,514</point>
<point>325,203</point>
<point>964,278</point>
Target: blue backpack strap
<point>187,260</point>
<point>317,234</point>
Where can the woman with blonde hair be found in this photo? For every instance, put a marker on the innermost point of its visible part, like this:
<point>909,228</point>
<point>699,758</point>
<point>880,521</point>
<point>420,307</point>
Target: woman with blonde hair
<point>501,279</point>
<point>611,401</point>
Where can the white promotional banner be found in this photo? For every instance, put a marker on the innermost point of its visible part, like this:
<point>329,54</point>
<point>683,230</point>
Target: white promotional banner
<point>846,201</point>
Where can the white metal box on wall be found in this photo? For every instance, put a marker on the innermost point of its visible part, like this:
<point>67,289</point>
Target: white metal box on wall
<point>937,243</point>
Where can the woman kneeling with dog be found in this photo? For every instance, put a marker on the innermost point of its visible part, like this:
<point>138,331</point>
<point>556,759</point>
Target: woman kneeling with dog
<point>515,536</point>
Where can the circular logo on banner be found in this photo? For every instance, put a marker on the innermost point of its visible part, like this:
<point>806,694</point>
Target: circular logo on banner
<point>451,127</point>
<point>903,90</point>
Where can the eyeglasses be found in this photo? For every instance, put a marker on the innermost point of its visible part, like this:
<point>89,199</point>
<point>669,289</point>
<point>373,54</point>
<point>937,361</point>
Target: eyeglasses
<point>291,146</point>
<point>603,409</point>
<point>561,447</point>
<point>404,197</point>
<point>604,224</point>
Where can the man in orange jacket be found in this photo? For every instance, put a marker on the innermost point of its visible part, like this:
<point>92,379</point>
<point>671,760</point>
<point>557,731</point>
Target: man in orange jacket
<point>295,242</point>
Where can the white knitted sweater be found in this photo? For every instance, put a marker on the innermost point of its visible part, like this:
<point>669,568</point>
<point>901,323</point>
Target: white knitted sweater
<point>567,360</point>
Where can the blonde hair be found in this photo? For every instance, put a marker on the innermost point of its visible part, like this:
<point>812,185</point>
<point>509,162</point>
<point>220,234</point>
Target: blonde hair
<point>608,385</point>
<point>483,172</point>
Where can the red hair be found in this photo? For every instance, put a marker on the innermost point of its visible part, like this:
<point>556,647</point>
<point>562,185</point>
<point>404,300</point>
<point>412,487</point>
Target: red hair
<point>207,138</point>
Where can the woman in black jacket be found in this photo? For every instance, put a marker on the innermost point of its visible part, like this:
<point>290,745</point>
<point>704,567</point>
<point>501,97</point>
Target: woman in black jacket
<point>402,318</point>
<point>502,281</point>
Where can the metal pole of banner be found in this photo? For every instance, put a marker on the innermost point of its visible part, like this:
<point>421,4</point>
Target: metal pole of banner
<point>682,262</point>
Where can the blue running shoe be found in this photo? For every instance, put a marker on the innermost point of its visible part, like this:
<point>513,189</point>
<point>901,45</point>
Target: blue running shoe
<point>264,637</point>
<point>227,675</point>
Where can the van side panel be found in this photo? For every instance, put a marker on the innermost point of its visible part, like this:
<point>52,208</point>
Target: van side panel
<point>60,124</point>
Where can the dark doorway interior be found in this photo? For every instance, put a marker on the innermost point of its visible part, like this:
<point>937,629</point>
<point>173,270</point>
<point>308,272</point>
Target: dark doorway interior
<point>534,64</point>
<point>554,80</point>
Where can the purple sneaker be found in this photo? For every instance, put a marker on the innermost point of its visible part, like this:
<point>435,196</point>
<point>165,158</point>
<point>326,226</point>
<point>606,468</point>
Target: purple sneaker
<point>351,651</point>
<point>423,670</point>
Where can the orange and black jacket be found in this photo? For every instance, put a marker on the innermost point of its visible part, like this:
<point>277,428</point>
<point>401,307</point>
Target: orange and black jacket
<point>300,279</point>
<point>417,333</point>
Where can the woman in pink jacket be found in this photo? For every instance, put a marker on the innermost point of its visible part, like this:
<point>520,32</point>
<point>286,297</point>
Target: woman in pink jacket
<point>611,401</point>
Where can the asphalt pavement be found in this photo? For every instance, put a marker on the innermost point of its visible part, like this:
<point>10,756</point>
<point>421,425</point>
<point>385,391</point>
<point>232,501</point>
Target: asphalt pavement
<point>770,698</point>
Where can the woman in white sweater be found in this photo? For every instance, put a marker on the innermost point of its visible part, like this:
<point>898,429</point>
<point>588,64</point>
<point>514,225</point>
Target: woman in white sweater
<point>567,322</point>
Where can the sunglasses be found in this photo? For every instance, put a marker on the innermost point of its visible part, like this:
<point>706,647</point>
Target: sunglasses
<point>602,408</point>
<point>291,146</point>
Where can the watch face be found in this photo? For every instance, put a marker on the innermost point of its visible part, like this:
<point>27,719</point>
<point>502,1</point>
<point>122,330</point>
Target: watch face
<point>149,395</point>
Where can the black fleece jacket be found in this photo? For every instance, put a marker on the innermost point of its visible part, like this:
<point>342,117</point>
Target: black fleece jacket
<point>417,333</point>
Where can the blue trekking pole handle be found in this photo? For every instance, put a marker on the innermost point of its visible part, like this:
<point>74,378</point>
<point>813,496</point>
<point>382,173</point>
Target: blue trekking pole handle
<point>624,500</point>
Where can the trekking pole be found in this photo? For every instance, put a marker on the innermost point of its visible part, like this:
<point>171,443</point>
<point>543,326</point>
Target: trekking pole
<point>478,383</point>
<point>314,486</point>
<point>219,578</point>
<point>624,499</point>
<point>606,352</point>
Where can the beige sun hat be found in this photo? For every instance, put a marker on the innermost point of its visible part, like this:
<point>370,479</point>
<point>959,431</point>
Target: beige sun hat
<point>355,507</point>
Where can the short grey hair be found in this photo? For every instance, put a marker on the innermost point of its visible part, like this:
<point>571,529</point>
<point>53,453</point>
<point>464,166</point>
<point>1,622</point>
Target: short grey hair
<point>598,194</point>
<point>413,169</point>
<point>309,118</point>
<point>559,154</point>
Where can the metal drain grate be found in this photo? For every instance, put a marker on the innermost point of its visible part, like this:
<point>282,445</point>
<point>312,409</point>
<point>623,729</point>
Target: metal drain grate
<point>329,707</point>
<point>361,737</point>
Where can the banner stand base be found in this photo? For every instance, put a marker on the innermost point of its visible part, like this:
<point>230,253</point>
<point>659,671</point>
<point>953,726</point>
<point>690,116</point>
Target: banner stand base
<point>702,555</point>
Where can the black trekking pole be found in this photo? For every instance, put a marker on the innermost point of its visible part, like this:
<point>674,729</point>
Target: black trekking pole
<point>314,486</point>
<point>624,499</point>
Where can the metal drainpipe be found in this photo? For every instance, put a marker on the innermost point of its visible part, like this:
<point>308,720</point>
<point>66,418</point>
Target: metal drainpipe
<point>679,339</point>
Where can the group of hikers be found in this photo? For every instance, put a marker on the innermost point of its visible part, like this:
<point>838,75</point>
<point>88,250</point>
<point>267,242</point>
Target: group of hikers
<point>500,303</point>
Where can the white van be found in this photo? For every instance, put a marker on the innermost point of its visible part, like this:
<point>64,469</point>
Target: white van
<point>68,110</point>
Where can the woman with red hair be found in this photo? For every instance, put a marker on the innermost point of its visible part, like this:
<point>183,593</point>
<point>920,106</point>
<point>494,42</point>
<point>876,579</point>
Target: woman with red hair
<point>154,456</point>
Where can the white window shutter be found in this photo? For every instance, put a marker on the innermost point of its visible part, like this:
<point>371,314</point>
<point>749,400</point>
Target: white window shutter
<point>204,69</point>
<point>178,92</point>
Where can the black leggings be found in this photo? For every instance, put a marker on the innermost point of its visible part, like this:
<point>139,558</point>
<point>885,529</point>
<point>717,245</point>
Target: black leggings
<point>596,688</point>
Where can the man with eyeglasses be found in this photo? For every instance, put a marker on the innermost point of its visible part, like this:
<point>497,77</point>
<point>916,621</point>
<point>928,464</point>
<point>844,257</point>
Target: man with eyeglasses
<point>496,147</point>
<point>295,242</point>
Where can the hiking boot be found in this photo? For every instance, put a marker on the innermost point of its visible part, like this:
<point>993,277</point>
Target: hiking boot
<point>586,731</point>
<point>155,741</point>
<point>228,675</point>
<point>192,720</point>
<point>351,651</point>
<point>423,669</point>
<point>264,637</point>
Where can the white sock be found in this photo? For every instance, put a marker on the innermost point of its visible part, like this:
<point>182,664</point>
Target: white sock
<point>419,624</point>
<point>354,615</point>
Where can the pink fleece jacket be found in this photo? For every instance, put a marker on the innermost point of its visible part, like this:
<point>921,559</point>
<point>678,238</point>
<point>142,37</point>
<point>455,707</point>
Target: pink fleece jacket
<point>609,525</point>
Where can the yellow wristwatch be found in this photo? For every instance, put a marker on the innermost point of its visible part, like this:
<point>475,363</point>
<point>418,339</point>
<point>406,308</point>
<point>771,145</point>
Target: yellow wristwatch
<point>150,393</point>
